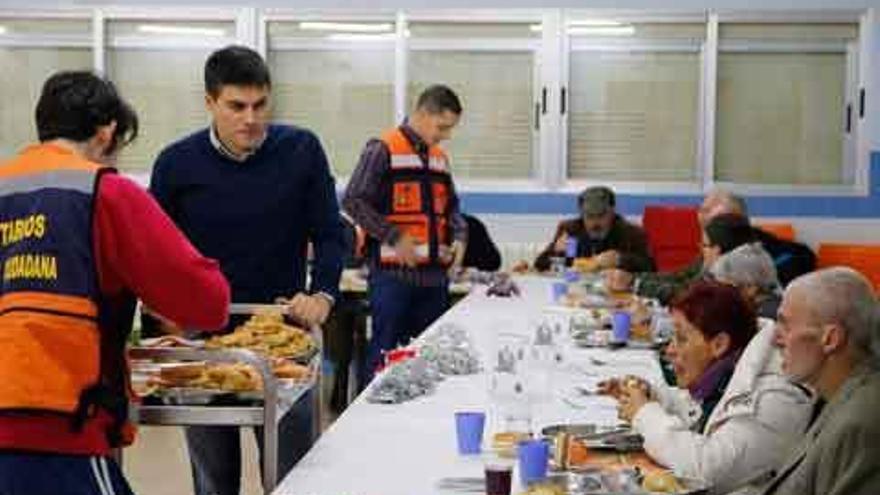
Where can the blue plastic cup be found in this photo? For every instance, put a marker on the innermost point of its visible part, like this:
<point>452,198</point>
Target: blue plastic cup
<point>620,327</point>
<point>572,275</point>
<point>533,458</point>
<point>469,430</point>
<point>571,247</point>
<point>559,290</point>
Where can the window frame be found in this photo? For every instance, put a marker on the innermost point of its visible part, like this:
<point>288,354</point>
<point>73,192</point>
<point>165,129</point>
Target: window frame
<point>854,167</point>
<point>604,45</point>
<point>491,45</point>
<point>103,42</point>
<point>37,40</point>
<point>316,43</point>
<point>552,57</point>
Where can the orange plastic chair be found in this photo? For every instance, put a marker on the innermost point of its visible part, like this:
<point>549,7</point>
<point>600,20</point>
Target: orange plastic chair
<point>673,235</point>
<point>784,231</point>
<point>862,257</point>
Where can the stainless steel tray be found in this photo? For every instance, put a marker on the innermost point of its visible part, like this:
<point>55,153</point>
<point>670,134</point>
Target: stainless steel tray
<point>581,430</point>
<point>586,340</point>
<point>608,482</point>
<point>306,357</point>
<point>189,396</point>
<point>618,442</point>
<point>618,439</point>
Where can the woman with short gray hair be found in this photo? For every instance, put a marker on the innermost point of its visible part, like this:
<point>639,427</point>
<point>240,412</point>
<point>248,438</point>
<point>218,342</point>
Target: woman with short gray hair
<point>751,269</point>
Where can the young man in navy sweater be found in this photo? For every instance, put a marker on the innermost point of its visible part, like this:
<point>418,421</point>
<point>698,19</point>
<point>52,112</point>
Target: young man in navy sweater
<point>253,195</point>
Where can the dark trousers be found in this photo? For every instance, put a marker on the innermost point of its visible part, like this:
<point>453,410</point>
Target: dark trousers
<point>215,451</point>
<point>344,344</point>
<point>53,474</point>
<point>400,312</point>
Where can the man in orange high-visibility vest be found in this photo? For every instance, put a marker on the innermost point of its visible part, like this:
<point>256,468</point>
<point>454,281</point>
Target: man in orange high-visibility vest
<point>402,194</point>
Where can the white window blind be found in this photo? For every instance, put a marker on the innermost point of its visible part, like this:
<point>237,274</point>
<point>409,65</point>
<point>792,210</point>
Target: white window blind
<point>341,88</point>
<point>27,68</point>
<point>495,138</point>
<point>782,95</point>
<point>163,82</point>
<point>345,97</point>
<point>634,104</point>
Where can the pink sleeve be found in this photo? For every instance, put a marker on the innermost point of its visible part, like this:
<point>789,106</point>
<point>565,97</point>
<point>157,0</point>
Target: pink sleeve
<point>139,248</point>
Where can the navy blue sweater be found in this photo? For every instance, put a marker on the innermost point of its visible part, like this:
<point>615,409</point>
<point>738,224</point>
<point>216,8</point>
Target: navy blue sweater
<point>256,217</point>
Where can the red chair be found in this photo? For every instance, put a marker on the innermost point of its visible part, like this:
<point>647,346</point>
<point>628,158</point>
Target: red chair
<point>673,235</point>
<point>864,258</point>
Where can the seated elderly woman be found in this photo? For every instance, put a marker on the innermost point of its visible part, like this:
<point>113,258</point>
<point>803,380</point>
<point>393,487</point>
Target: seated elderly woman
<point>736,416</point>
<point>750,269</point>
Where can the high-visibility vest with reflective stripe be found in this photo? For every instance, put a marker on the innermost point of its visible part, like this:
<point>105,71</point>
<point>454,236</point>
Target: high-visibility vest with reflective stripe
<point>49,294</point>
<point>418,199</point>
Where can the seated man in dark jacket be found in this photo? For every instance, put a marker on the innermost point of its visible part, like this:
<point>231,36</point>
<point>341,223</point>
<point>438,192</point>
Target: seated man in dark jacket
<point>601,233</point>
<point>480,252</point>
<point>792,259</point>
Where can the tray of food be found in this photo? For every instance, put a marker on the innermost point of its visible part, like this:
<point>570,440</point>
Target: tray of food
<point>617,481</point>
<point>267,334</point>
<point>619,441</point>
<point>604,339</point>
<point>598,333</point>
<point>621,438</point>
<point>202,383</point>
<point>579,429</point>
<point>585,445</point>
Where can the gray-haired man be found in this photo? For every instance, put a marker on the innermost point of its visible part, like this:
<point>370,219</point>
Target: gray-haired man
<point>828,332</point>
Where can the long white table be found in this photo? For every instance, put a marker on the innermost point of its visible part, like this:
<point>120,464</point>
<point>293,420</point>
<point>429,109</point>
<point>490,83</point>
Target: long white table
<point>405,449</point>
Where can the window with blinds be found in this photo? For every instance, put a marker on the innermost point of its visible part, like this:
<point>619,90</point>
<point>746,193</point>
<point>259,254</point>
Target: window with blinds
<point>159,68</point>
<point>782,97</point>
<point>335,79</point>
<point>496,136</point>
<point>29,67</point>
<point>634,102</point>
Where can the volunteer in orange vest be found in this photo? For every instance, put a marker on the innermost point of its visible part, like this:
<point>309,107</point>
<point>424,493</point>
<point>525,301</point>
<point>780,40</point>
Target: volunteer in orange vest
<point>78,244</point>
<point>402,195</point>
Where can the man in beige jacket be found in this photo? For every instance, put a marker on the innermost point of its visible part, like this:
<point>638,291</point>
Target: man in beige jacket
<point>828,330</point>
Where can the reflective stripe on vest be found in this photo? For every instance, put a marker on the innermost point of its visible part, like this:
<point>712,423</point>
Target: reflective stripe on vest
<point>48,289</point>
<point>72,180</point>
<point>412,161</point>
<point>406,161</point>
<point>389,254</point>
<point>438,163</point>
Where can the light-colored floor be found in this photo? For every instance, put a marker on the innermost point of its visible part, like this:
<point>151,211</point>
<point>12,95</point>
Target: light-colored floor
<point>157,464</point>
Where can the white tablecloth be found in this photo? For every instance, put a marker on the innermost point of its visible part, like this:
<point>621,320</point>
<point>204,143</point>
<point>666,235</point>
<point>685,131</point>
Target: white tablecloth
<point>405,449</point>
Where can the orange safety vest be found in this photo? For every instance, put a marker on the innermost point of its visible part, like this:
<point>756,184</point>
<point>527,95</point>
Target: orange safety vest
<point>419,198</point>
<point>59,356</point>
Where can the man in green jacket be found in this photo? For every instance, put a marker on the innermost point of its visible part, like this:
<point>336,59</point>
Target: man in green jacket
<point>664,286</point>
